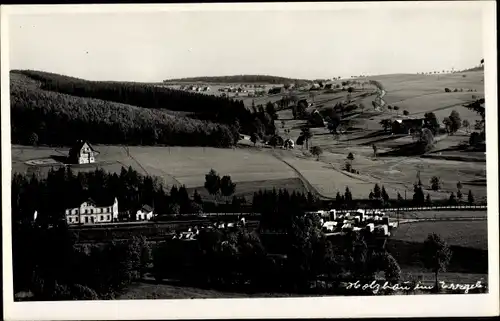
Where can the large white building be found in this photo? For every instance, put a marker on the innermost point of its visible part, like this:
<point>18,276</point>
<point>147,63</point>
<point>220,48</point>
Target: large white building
<point>89,213</point>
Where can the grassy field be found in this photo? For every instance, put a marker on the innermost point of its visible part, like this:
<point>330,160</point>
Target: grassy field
<point>395,173</point>
<point>441,214</point>
<point>418,94</point>
<point>470,234</point>
<point>468,241</point>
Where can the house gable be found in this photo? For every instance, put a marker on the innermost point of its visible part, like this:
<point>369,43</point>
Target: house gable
<point>82,152</point>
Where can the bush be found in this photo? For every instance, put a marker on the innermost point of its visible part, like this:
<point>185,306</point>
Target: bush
<point>316,151</point>
<point>435,183</point>
<point>196,208</point>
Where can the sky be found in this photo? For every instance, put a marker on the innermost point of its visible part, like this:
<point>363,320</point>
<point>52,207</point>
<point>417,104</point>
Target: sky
<point>313,44</point>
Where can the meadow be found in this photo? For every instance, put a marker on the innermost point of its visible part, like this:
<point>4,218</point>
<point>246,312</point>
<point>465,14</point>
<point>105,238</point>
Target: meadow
<point>442,215</point>
<point>467,240</point>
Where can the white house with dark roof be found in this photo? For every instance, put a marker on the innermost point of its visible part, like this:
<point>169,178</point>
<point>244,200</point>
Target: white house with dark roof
<point>90,213</point>
<point>82,153</point>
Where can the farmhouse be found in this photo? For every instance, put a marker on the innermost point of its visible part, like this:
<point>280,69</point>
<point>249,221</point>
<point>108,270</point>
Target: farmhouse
<point>90,213</point>
<point>407,126</point>
<point>82,153</point>
<point>144,214</point>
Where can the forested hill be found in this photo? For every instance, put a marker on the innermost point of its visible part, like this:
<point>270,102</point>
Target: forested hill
<point>264,79</point>
<point>136,94</point>
<point>52,109</point>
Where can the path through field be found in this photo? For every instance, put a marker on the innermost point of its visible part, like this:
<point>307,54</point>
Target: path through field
<point>309,187</point>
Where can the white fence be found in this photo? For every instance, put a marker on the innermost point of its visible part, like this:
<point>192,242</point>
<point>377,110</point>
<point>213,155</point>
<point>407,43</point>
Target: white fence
<point>368,211</point>
<point>372,210</point>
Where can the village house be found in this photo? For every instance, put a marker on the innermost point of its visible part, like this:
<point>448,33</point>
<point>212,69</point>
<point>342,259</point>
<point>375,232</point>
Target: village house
<point>145,213</point>
<point>90,213</point>
<point>82,153</point>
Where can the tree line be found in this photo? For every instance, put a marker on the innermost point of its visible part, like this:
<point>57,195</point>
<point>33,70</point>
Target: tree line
<point>62,189</point>
<point>240,79</point>
<point>52,266</point>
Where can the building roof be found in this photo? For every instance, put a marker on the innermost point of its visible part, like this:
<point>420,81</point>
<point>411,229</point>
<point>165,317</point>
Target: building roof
<point>413,120</point>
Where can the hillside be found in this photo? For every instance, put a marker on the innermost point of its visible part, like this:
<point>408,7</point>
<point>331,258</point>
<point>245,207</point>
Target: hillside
<point>264,79</point>
<point>450,159</point>
<point>47,117</point>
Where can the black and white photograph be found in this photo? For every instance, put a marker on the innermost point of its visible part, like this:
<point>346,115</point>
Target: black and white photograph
<point>249,160</point>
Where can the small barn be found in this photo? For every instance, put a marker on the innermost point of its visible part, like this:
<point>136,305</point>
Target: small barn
<point>145,213</point>
<point>407,126</point>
